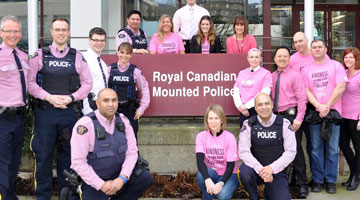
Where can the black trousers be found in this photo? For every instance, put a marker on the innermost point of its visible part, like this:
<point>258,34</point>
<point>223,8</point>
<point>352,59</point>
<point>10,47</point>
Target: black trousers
<point>243,118</point>
<point>299,161</point>
<point>348,132</point>
<point>187,46</point>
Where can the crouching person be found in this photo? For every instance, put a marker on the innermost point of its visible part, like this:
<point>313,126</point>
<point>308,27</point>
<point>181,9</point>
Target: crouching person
<point>267,145</point>
<point>104,153</point>
<point>217,158</point>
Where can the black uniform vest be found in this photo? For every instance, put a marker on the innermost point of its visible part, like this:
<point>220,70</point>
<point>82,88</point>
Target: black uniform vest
<point>58,75</point>
<point>123,83</point>
<point>267,143</point>
<point>138,41</point>
<point>109,152</point>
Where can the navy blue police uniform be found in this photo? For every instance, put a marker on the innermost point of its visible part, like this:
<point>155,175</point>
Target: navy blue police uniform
<point>138,41</point>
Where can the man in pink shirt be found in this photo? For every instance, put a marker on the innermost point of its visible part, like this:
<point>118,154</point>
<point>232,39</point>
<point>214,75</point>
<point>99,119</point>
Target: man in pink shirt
<point>59,78</point>
<point>289,95</point>
<point>13,70</point>
<point>104,153</point>
<point>267,145</point>
<point>325,81</point>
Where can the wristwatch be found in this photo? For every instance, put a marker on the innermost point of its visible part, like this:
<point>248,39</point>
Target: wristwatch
<point>72,98</point>
<point>221,183</point>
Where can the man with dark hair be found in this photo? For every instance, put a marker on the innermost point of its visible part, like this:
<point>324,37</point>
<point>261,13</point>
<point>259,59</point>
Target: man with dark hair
<point>59,78</point>
<point>133,34</point>
<point>13,72</point>
<point>98,68</point>
<point>289,95</point>
<point>267,145</point>
<point>325,81</point>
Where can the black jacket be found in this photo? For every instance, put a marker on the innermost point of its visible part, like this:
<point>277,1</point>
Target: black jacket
<point>196,48</point>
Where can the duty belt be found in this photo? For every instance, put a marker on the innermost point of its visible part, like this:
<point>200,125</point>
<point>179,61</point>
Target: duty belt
<point>289,111</point>
<point>17,110</point>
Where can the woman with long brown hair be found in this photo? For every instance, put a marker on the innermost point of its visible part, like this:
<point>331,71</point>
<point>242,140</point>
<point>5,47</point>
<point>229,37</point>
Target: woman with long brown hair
<point>241,41</point>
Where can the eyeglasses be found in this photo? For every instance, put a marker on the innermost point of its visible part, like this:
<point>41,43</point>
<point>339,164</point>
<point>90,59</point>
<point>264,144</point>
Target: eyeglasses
<point>58,30</point>
<point>11,32</point>
<point>96,40</point>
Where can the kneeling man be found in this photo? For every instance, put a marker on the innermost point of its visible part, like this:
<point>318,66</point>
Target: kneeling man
<point>267,145</point>
<point>104,153</point>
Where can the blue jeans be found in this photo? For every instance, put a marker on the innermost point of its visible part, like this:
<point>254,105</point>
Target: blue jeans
<point>228,189</point>
<point>324,166</point>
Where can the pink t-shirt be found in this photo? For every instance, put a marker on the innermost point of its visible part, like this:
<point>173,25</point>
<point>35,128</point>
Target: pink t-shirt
<point>298,62</point>
<point>351,98</point>
<point>242,46</point>
<point>321,79</point>
<point>171,44</point>
<point>205,47</point>
<point>251,83</point>
<point>218,150</point>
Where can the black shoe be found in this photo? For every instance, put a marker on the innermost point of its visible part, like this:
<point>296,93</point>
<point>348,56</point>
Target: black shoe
<point>316,187</point>
<point>303,191</point>
<point>348,181</point>
<point>354,183</point>
<point>310,184</point>
<point>330,188</point>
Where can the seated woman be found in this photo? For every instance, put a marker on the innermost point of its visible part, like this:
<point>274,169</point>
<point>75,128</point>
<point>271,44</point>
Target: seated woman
<point>249,82</point>
<point>126,79</point>
<point>205,41</point>
<point>165,41</point>
<point>217,157</point>
<point>241,41</point>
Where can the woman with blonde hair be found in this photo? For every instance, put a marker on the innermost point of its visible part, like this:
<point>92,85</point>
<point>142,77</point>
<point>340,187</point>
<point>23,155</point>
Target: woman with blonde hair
<point>205,41</point>
<point>216,156</point>
<point>165,41</point>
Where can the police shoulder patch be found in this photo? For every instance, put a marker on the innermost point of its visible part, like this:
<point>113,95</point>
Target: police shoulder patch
<point>121,35</point>
<point>84,59</point>
<point>243,128</point>
<point>81,130</point>
<point>34,55</point>
<point>291,128</point>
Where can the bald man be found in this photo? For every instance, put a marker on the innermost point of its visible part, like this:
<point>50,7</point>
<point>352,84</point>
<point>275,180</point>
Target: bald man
<point>267,145</point>
<point>104,153</point>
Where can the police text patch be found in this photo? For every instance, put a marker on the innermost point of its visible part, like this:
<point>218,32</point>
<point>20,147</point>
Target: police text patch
<point>34,55</point>
<point>291,128</point>
<point>243,128</point>
<point>81,130</point>
<point>121,35</point>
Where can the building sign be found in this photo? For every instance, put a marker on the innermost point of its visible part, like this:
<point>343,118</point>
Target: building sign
<point>185,85</point>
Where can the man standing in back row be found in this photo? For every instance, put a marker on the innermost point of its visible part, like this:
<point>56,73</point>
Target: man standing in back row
<point>186,21</point>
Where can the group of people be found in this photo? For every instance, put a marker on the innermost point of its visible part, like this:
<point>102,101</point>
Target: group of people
<point>308,93</point>
<point>190,31</point>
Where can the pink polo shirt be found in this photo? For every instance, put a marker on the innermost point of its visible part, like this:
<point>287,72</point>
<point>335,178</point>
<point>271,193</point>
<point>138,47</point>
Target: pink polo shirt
<point>321,80</point>
<point>171,44</point>
<point>351,98</point>
<point>10,81</point>
<point>81,68</point>
<point>251,83</point>
<point>81,145</point>
<point>218,150</point>
<point>292,92</point>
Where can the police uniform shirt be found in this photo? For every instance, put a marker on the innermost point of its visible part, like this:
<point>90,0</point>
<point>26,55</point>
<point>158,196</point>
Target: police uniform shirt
<point>119,39</point>
<point>96,74</point>
<point>83,140</point>
<point>289,146</point>
<point>10,81</point>
<point>141,84</point>
<point>81,67</point>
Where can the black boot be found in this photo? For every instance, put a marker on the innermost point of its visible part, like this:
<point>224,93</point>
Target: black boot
<point>348,181</point>
<point>354,183</point>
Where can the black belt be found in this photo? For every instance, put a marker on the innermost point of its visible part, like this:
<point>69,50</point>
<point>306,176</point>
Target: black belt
<point>289,111</point>
<point>12,111</point>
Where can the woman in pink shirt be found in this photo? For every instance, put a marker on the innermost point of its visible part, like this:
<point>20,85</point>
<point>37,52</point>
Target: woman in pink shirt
<point>350,129</point>
<point>250,82</point>
<point>205,41</point>
<point>216,156</point>
<point>165,41</point>
<point>241,41</point>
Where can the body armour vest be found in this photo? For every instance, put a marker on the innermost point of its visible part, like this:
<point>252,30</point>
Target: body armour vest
<point>109,150</point>
<point>138,41</point>
<point>267,143</point>
<point>58,75</point>
<point>123,83</point>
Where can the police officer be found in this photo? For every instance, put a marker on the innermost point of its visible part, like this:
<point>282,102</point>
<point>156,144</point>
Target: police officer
<point>98,68</point>
<point>125,79</point>
<point>104,153</point>
<point>133,34</point>
<point>267,145</point>
<point>13,70</point>
<point>289,95</point>
<point>59,78</point>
